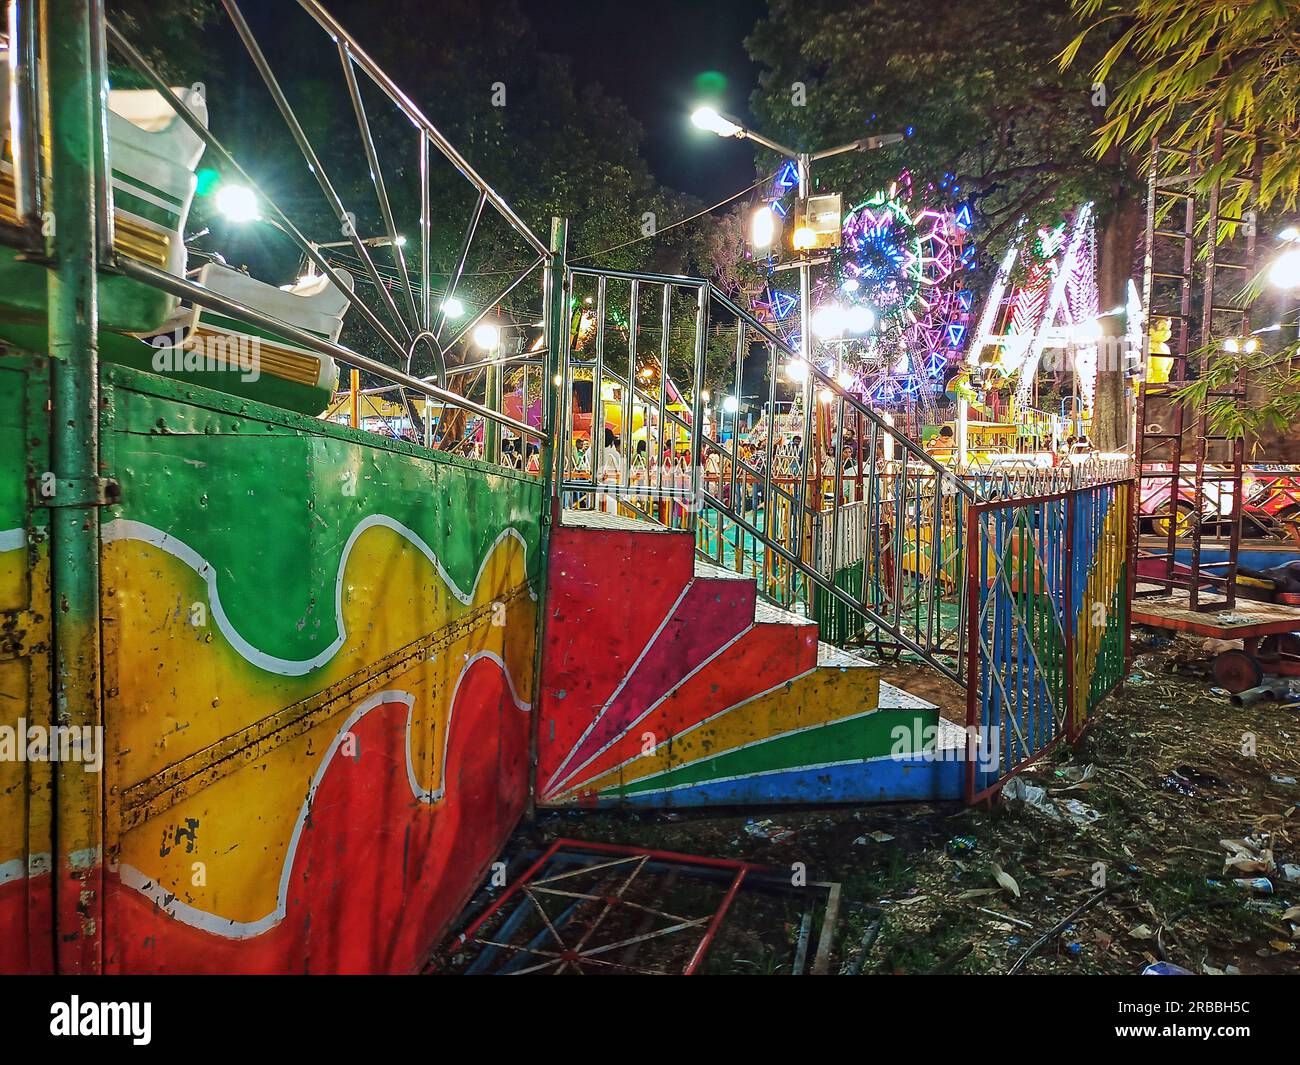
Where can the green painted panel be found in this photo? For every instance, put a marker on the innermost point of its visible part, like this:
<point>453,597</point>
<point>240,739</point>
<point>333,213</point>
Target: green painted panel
<point>254,491</point>
<point>868,736</point>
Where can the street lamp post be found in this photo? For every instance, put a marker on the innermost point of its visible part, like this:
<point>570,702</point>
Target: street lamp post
<point>707,118</point>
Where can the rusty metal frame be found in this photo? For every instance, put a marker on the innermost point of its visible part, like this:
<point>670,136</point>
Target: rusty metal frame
<point>539,880</point>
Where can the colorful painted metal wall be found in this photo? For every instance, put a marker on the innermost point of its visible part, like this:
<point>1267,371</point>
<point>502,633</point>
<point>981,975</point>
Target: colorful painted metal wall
<point>318,658</point>
<point>666,684</point>
<point>1047,623</point>
<point>26,830</point>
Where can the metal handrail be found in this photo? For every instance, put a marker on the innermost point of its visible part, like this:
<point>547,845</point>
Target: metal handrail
<point>204,297</point>
<point>904,502</point>
<point>408,324</point>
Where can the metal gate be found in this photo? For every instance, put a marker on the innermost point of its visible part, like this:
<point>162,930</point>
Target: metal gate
<point>1047,623</point>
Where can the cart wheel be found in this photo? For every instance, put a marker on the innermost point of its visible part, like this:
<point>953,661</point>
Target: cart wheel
<point>1236,671</point>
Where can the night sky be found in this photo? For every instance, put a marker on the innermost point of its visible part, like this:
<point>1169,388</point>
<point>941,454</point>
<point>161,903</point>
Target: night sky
<point>650,56</point>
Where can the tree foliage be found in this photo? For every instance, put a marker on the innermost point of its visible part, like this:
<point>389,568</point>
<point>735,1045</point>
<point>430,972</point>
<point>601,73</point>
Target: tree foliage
<point>989,116</point>
<point>1195,65</point>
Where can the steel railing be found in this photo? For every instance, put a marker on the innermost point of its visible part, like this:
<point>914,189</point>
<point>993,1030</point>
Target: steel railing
<point>401,306</point>
<point>851,495</point>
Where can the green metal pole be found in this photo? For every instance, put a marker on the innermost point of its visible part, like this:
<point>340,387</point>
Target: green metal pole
<point>555,318</point>
<point>493,399</point>
<point>556,337</point>
<point>68,120</point>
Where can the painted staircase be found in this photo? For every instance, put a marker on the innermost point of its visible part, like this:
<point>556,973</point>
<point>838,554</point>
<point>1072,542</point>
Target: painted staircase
<point>666,681</point>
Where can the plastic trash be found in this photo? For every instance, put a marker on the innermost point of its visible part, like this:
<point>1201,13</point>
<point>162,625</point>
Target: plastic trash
<point>769,831</point>
<point>1079,814</point>
<point>959,844</point>
<point>1166,968</point>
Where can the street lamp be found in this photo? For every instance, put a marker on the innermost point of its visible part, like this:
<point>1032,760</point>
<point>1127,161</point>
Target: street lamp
<point>1284,273</point>
<point>708,118</point>
<point>238,203</point>
<point>762,228</point>
<point>487,336</point>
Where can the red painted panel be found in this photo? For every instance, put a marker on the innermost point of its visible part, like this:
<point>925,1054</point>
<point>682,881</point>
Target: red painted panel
<point>26,940</point>
<point>764,657</point>
<point>711,614</point>
<point>383,873</point>
<point>607,593</point>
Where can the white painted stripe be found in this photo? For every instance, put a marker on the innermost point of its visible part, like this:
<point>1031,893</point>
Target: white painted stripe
<point>814,767</point>
<point>420,792</point>
<point>621,685</point>
<point>12,539</point>
<point>228,929</point>
<point>149,195</point>
<point>124,529</point>
<point>32,866</point>
<point>668,691</point>
<point>223,926</point>
<point>723,713</point>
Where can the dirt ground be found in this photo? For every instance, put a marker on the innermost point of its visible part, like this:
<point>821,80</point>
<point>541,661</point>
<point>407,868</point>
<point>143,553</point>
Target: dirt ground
<point>1167,771</point>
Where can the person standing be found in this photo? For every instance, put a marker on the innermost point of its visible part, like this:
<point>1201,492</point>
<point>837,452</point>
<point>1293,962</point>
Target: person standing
<point>611,473</point>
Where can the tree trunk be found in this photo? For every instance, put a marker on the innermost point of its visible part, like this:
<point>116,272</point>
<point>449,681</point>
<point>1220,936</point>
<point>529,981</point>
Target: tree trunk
<point>1118,231</point>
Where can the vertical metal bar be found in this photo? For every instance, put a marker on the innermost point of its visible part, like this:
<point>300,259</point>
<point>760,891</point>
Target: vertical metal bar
<point>553,316</point>
<point>803,504</point>
<point>629,393</point>
<point>23,113</point>
<point>970,579</point>
<point>1071,513</point>
<point>103,165</point>
<point>426,224</point>
<point>696,455</point>
<point>936,549</point>
<point>597,449</point>
<point>68,120</point>
<point>738,378</point>
<point>839,488</point>
<point>554,367</point>
<point>769,510</point>
<point>492,399</point>
<point>665,324</point>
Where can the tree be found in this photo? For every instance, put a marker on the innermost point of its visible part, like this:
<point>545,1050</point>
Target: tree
<point>988,113</point>
<point>1193,65</point>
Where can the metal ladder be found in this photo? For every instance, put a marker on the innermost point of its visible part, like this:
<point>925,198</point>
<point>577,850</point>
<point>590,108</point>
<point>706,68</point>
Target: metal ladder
<point>1182,248</point>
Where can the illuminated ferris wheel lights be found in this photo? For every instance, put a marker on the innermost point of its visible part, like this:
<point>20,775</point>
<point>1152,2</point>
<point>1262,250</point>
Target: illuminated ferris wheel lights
<point>844,379</point>
<point>831,320</point>
<point>859,319</point>
<point>797,370</point>
<point>828,321</point>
